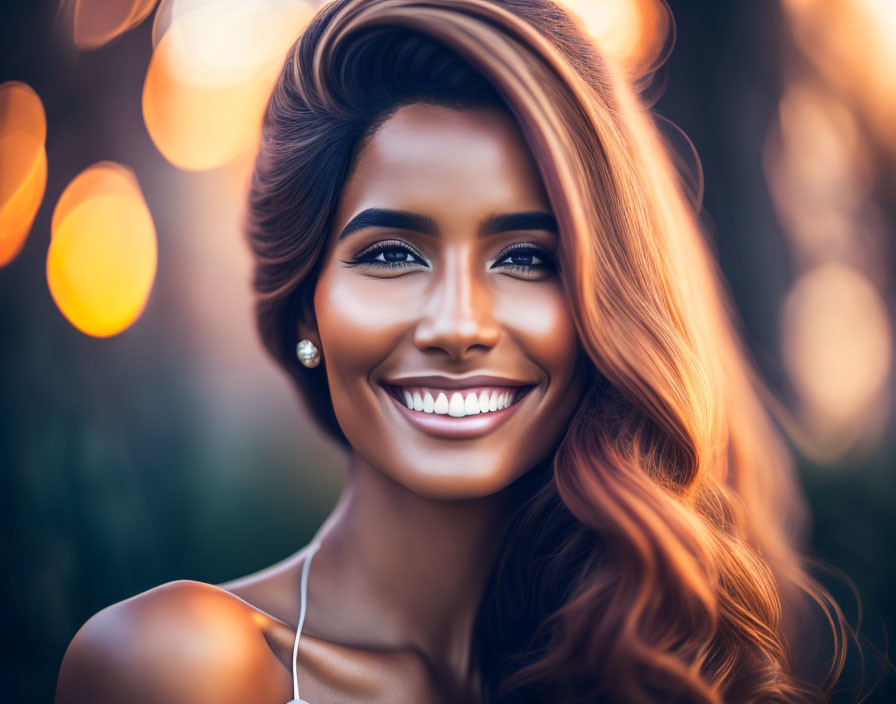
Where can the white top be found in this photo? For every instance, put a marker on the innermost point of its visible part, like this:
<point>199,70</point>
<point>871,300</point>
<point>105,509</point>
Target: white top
<point>312,548</point>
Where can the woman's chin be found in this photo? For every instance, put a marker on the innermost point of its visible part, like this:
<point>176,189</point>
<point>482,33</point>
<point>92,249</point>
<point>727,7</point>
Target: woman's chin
<point>457,482</point>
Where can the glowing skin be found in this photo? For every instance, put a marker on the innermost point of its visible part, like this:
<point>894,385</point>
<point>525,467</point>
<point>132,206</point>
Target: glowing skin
<point>463,310</point>
<point>394,589</point>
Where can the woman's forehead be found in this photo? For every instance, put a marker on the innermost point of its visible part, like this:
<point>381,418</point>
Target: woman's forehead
<point>439,158</point>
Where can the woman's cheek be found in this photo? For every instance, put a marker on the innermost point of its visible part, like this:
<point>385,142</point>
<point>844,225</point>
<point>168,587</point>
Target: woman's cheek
<point>540,319</point>
<point>360,321</point>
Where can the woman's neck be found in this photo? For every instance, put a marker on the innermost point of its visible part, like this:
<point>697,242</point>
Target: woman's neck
<point>398,570</point>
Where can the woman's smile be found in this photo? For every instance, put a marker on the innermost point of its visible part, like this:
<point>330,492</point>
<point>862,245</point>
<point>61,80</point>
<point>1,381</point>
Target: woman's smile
<point>456,408</point>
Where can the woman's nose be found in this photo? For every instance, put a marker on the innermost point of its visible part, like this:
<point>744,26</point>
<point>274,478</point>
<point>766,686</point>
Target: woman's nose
<point>457,316</point>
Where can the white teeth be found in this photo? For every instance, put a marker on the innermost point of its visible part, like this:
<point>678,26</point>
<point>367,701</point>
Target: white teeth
<point>458,404</point>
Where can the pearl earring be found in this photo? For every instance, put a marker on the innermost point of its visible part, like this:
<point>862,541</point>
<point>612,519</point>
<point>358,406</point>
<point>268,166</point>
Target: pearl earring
<point>307,353</point>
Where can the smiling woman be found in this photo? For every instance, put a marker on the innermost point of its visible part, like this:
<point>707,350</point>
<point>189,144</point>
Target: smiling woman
<point>476,263</point>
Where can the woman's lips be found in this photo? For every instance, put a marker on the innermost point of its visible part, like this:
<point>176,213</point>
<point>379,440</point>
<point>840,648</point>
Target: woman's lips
<point>446,425</point>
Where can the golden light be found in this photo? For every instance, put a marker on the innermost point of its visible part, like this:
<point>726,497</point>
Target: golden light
<point>103,178</point>
<point>850,43</point>
<point>836,343</point>
<point>102,258</point>
<point>821,178</point>
<point>212,72</point>
<point>821,159</point>
<point>635,33</point>
<point>94,23</point>
<point>23,176</point>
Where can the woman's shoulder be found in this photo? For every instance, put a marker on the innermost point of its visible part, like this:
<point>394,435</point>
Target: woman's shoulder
<point>182,641</point>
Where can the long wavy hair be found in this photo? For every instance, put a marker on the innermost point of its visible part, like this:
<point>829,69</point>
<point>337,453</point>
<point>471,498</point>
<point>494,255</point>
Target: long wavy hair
<point>654,555</point>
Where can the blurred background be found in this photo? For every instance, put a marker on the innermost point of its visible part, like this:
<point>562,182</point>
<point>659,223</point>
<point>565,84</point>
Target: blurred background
<point>146,437</point>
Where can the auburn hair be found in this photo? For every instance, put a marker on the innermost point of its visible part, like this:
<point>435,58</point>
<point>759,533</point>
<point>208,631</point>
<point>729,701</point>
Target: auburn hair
<point>655,555</point>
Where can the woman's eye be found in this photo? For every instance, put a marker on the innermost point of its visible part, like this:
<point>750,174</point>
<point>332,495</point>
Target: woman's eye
<point>526,259</point>
<point>393,255</point>
<point>388,255</point>
<point>523,258</point>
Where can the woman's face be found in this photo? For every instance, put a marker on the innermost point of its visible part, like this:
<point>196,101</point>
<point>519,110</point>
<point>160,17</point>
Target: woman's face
<point>447,339</point>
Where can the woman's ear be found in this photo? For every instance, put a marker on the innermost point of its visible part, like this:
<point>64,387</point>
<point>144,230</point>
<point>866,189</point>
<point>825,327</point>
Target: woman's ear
<point>307,330</point>
<point>307,325</point>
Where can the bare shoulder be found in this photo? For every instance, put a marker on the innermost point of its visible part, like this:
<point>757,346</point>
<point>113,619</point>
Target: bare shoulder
<point>183,641</point>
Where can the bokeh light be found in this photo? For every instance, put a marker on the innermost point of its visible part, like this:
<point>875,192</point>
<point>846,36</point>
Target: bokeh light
<point>857,58</point>
<point>211,74</point>
<point>821,179</point>
<point>634,33</point>
<point>102,258</point>
<point>836,344</point>
<point>824,160</point>
<point>23,176</point>
<point>93,23</point>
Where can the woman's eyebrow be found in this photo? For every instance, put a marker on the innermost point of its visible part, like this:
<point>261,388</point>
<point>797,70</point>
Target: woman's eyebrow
<point>507,222</point>
<point>381,217</point>
<point>404,220</point>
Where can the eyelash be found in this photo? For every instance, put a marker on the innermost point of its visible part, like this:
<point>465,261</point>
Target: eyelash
<point>365,257</point>
<point>547,258</point>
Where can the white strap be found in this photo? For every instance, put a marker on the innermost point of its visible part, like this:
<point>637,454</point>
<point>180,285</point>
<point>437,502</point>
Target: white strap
<point>295,650</point>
